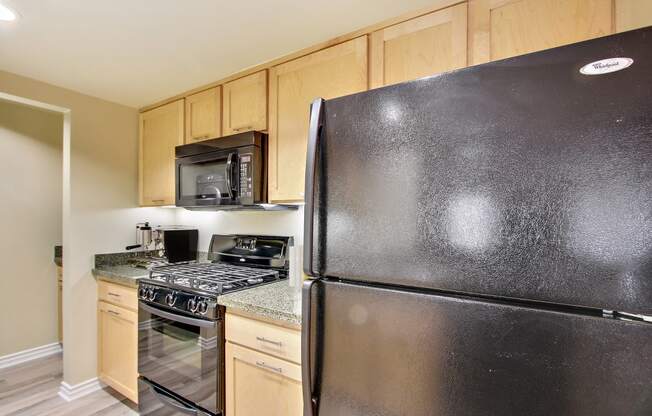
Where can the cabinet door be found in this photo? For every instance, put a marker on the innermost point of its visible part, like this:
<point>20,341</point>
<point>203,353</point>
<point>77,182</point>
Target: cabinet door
<point>118,349</point>
<point>633,14</point>
<point>504,28</point>
<point>161,129</point>
<point>245,104</point>
<point>204,115</point>
<point>419,47</point>
<point>259,384</point>
<point>60,303</point>
<point>329,73</point>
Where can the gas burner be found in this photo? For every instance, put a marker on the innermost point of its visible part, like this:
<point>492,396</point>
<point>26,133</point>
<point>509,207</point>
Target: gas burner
<point>212,278</point>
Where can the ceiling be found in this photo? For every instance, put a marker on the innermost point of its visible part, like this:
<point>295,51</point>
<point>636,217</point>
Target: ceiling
<point>136,52</point>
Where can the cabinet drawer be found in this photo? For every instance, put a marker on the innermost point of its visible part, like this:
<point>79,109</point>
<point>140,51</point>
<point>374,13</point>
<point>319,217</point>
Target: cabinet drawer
<point>118,295</point>
<point>271,339</point>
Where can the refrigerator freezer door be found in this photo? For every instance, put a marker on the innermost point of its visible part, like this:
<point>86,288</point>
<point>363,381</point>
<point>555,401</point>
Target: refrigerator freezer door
<point>384,352</point>
<point>522,178</point>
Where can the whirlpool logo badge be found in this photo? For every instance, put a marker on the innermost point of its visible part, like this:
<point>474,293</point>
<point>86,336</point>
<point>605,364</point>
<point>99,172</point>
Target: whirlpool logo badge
<point>606,66</point>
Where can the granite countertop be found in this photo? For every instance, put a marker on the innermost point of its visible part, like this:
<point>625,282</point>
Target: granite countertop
<point>123,274</point>
<point>120,267</point>
<point>277,302</point>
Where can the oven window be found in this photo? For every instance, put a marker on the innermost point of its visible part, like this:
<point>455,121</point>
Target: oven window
<point>180,357</point>
<point>204,180</point>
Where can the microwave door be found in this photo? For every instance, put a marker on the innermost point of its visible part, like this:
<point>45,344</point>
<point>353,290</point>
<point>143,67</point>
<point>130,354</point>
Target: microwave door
<point>206,179</point>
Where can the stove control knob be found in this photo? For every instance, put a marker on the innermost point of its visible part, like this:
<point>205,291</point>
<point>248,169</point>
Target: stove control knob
<point>142,292</point>
<point>202,307</point>
<point>193,305</point>
<point>170,299</point>
<point>151,294</point>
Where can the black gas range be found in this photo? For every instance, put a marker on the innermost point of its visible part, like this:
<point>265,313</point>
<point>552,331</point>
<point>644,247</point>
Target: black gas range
<point>181,331</point>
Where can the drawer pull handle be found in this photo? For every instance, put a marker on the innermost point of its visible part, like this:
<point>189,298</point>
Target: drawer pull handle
<point>269,341</point>
<point>113,312</point>
<point>117,295</point>
<point>262,364</point>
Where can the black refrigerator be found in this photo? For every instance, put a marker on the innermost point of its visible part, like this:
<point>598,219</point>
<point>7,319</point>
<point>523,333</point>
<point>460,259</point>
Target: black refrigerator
<point>480,242</point>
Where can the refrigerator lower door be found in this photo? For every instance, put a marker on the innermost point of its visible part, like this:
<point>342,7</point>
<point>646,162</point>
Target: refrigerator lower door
<point>381,352</point>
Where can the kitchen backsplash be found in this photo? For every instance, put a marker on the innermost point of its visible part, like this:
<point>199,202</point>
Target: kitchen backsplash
<point>283,223</point>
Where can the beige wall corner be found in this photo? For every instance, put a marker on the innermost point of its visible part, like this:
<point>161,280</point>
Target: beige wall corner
<point>99,205</point>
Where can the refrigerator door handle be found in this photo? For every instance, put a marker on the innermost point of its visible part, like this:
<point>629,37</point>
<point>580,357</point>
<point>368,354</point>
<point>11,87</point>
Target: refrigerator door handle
<point>316,122</point>
<point>309,401</point>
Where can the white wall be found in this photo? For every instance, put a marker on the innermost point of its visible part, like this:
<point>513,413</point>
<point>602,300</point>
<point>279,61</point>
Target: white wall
<point>282,223</point>
<point>30,222</point>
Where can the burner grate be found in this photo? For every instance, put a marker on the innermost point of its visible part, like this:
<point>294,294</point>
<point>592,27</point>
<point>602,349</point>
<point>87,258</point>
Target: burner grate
<point>214,278</point>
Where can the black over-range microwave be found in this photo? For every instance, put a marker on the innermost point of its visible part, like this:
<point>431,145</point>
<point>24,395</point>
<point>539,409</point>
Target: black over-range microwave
<point>227,172</point>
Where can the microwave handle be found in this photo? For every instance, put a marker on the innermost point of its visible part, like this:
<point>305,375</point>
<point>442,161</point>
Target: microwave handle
<point>229,174</point>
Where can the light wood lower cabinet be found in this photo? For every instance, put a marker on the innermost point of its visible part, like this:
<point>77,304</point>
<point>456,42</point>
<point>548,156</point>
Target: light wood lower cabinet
<point>259,384</point>
<point>263,370</point>
<point>117,341</point>
<point>60,303</point>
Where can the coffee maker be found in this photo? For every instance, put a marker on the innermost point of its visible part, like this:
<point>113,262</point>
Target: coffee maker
<point>172,243</point>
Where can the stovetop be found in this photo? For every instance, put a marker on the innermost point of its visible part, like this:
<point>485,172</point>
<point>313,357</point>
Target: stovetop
<point>211,278</point>
<point>239,262</point>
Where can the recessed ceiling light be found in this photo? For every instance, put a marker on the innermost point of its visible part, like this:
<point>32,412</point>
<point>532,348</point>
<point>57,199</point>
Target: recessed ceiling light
<point>6,13</point>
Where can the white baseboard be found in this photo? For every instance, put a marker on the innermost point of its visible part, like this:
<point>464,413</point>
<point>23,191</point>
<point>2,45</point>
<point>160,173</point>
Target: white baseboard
<point>70,393</point>
<point>29,355</point>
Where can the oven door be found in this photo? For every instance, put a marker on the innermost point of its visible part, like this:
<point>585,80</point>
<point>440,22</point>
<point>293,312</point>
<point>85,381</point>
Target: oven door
<point>183,355</point>
<point>208,179</point>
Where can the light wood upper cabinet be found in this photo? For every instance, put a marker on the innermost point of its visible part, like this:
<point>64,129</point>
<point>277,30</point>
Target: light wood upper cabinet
<point>633,14</point>
<point>504,28</point>
<point>204,115</point>
<point>259,384</point>
<point>328,73</point>
<point>419,47</point>
<point>118,348</point>
<point>245,104</point>
<point>161,129</point>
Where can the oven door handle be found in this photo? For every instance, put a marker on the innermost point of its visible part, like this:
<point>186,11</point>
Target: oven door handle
<point>202,323</point>
<point>171,401</point>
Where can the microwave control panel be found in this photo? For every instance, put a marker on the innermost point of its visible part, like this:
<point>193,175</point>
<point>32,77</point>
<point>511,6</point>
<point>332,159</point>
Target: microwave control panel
<point>246,176</point>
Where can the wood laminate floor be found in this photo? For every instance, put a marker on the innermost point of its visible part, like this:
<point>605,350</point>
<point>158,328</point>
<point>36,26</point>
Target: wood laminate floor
<point>30,389</point>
